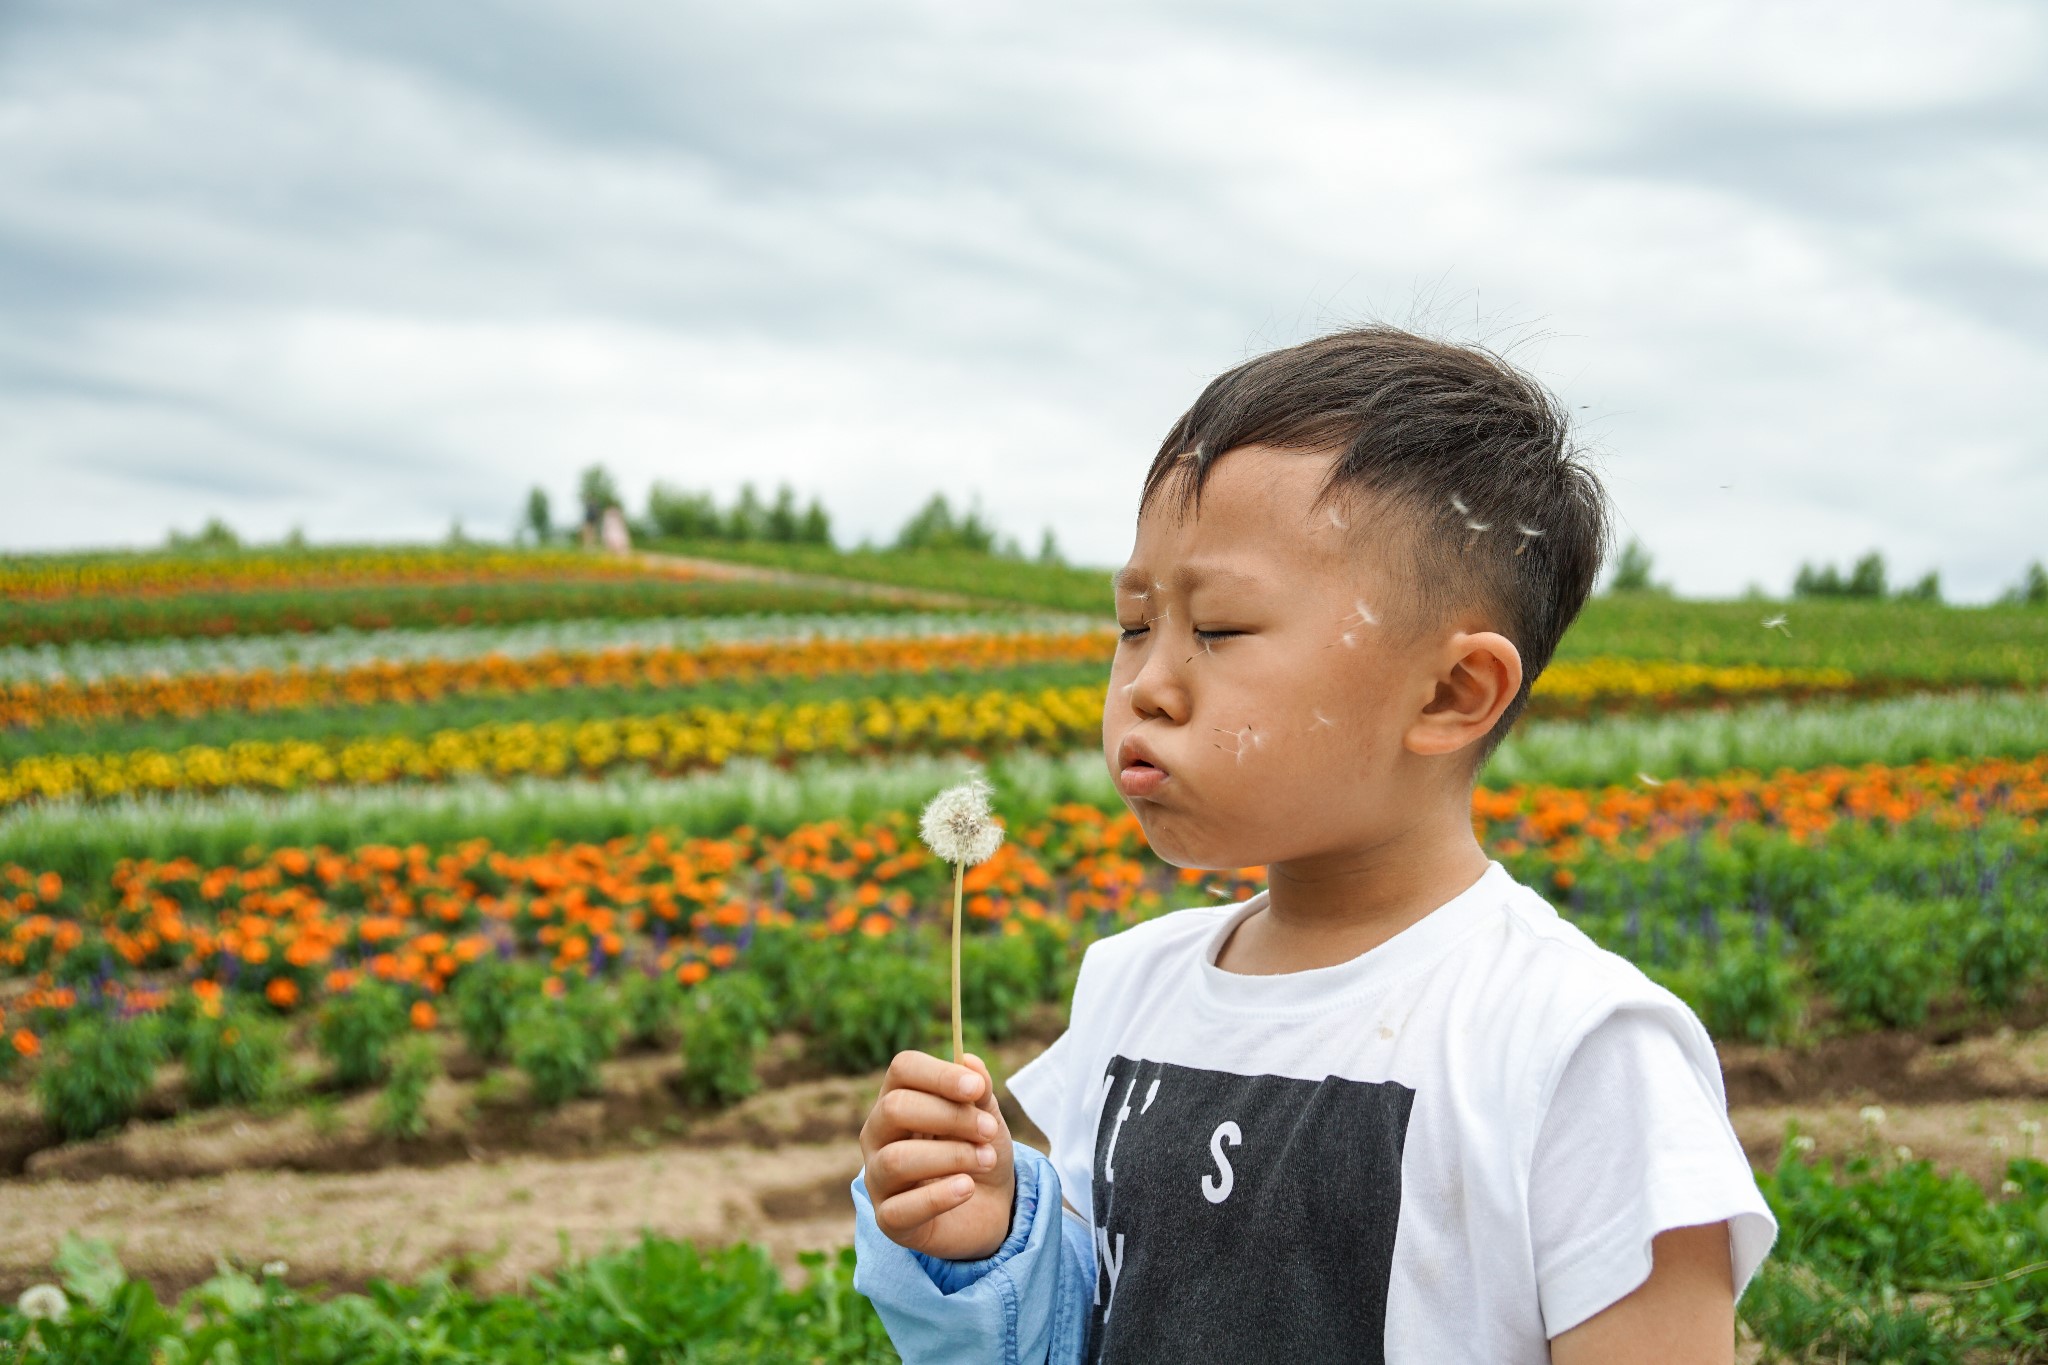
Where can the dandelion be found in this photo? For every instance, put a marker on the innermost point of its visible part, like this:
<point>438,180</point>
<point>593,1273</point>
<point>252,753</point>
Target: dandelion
<point>1903,1152</point>
<point>958,827</point>
<point>276,1269</point>
<point>1804,1142</point>
<point>1872,1115</point>
<point>2009,1188</point>
<point>43,1302</point>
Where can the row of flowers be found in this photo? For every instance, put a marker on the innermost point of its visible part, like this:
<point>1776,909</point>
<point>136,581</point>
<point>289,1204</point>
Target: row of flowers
<point>294,923</point>
<point>680,741</point>
<point>32,704</point>
<point>37,579</point>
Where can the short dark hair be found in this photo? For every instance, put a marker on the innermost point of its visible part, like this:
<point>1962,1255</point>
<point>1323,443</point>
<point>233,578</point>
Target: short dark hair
<point>1470,455</point>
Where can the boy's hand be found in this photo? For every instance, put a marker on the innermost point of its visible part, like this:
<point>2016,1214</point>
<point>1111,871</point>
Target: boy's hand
<point>940,1171</point>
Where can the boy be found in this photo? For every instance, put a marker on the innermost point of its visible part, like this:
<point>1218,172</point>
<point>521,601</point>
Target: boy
<point>1393,1107</point>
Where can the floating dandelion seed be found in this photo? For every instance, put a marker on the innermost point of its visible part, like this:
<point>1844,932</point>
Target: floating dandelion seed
<point>1471,525</point>
<point>1648,780</point>
<point>1323,720</point>
<point>1459,504</point>
<point>1336,520</point>
<point>1130,686</point>
<point>1529,533</point>
<point>958,827</point>
<point>1777,623</point>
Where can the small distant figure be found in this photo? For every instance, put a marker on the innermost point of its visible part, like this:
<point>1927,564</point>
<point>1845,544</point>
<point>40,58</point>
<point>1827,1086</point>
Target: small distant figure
<point>612,531</point>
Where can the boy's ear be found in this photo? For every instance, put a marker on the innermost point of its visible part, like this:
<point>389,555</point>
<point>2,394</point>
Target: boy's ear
<point>1481,673</point>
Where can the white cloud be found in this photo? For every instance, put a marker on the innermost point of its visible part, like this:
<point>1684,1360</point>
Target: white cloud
<point>368,270</point>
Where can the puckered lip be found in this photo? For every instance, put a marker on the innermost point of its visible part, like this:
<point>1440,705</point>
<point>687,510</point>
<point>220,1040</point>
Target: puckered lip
<point>1135,750</point>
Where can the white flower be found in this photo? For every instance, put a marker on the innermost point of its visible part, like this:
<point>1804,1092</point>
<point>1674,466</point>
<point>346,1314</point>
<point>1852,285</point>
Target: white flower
<point>2031,1127</point>
<point>2009,1188</point>
<point>958,827</point>
<point>1804,1142</point>
<point>618,1353</point>
<point>1998,1142</point>
<point>1903,1152</point>
<point>43,1301</point>
<point>279,1269</point>
<point>1872,1115</point>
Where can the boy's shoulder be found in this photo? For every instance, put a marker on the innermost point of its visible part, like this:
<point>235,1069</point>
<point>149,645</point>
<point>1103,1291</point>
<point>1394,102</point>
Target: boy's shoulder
<point>1177,931</point>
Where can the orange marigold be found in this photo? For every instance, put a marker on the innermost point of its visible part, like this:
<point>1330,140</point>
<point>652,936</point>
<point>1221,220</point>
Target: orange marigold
<point>282,992</point>
<point>690,973</point>
<point>423,1015</point>
<point>26,1043</point>
<point>722,954</point>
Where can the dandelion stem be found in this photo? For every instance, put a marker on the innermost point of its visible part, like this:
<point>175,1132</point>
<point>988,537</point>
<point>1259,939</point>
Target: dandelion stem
<point>959,881</point>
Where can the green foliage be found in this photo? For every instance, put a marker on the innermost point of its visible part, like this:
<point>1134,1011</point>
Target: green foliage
<point>1886,959</point>
<point>726,1019</point>
<point>2031,590</point>
<point>355,1030</point>
<point>560,1042</point>
<point>401,1108</point>
<point>873,1000</point>
<point>484,999</point>
<point>97,1073</point>
<point>540,518</point>
<point>676,514</point>
<point>1001,975</point>
<point>278,611</point>
<point>935,527</point>
<point>234,1057</point>
<point>1632,571</point>
<point>214,537</point>
<point>648,1003</point>
<point>1751,990</point>
<point>659,1301</point>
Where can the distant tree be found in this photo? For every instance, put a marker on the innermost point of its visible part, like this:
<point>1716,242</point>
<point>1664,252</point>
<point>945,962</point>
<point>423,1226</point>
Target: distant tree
<point>597,492</point>
<point>2031,590</point>
<point>1632,570</point>
<point>1866,579</point>
<point>934,527</point>
<point>748,519</point>
<point>1049,549</point>
<point>681,515</point>
<point>781,523</point>
<point>295,538</point>
<point>214,535</point>
<point>455,538</point>
<point>1927,589</point>
<point>817,527</point>
<point>540,518</point>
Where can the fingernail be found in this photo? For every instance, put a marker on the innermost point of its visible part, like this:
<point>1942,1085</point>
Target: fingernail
<point>985,1124</point>
<point>968,1084</point>
<point>986,1155</point>
<point>962,1186</point>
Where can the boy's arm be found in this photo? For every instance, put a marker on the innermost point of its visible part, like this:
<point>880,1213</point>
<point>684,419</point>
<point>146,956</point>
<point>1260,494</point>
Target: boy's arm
<point>1684,1314</point>
<point>1028,1304</point>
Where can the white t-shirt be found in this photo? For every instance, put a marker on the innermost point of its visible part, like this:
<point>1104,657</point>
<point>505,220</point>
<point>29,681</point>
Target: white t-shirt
<point>1452,1147</point>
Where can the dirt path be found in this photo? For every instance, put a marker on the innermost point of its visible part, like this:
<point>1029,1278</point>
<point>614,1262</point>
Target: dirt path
<point>758,573</point>
<point>774,1169</point>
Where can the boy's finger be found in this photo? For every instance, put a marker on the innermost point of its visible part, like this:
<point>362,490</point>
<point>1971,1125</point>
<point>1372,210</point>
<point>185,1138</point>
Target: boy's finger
<point>902,1164</point>
<point>922,1071</point>
<point>911,1209</point>
<point>905,1112</point>
<point>987,1103</point>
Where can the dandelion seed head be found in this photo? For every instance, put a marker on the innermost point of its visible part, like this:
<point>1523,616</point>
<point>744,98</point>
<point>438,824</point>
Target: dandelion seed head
<point>45,1302</point>
<point>1872,1115</point>
<point>957,824</point>
<point>2008,1188</point>
<point>1903,1152</point>
<point>1804,1142</point>
<point>279,1269</point>
<point>2031,1127</point>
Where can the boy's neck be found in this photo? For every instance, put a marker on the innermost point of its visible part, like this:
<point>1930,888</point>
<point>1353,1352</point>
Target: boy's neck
<point>1329,909</point>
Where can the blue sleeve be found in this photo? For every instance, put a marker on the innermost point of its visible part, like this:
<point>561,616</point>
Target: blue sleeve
<point>1026,1305</point>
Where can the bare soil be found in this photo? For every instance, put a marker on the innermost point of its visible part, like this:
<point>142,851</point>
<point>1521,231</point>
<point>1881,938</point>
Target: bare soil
<point>497,1189</point>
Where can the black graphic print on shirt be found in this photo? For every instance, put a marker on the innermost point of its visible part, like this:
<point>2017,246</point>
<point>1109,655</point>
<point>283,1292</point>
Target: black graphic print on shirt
<point>1244,1218</point>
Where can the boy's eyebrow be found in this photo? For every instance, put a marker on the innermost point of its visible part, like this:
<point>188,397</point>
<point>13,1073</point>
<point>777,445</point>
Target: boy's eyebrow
<point>1187,575</point>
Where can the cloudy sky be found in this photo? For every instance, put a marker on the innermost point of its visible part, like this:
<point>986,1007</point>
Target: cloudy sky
<point>369,268</point>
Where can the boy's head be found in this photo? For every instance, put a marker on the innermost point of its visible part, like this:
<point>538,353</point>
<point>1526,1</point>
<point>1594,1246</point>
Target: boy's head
<point>1353,557</point>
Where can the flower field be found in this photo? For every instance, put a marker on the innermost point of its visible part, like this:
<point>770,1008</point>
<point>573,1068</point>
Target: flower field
<point>281,832</point>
